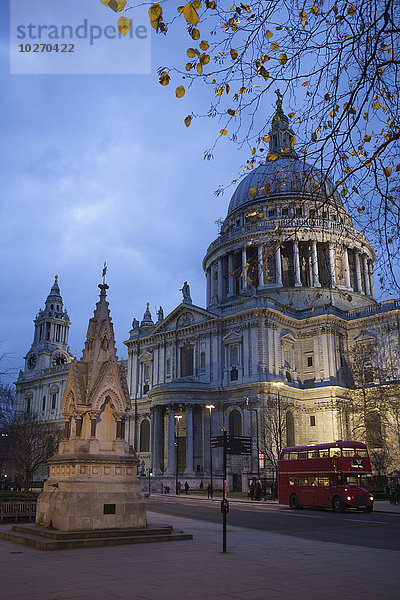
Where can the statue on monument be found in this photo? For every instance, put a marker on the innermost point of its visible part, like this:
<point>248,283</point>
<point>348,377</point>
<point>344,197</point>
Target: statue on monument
<point>187,299</point>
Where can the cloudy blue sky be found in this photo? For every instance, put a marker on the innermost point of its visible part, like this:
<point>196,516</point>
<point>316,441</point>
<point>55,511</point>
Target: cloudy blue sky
<point>101,168</point>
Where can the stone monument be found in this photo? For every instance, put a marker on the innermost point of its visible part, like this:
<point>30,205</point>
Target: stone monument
<point>93,478</point>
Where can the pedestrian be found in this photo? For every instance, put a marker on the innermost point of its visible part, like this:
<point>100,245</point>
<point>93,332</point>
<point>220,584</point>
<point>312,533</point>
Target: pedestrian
<point>392,492</point>
<point>167,489</point>
<point>209,492</point>
<point>274,490</point>
<point>201,484</point>
<point>187,486</point>
<point>162,488</point>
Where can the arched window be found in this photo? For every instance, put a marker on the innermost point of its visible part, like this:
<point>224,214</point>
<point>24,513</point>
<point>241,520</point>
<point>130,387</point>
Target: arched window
<point>289,429</point>
<point>187,360</point>
<point>235,423</point>
<point>144,436</point>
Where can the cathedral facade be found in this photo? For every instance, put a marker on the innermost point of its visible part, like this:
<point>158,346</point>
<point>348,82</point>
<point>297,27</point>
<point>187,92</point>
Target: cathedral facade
<point>290,301</point>
<point>291,348</point>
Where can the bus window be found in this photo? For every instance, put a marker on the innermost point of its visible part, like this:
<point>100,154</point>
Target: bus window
<point>293,481</point>
<point>303,454</point>
<point>313,454</point>
<point>285,456</point>
<point>324,453</point>
<point>323,481</point>
<point>334,452</point>
<point>293,456</point>
<point>337,479</point>
<point>352,480</point>
<point>313,481</point>
<point>303,480</point>
<point>361,452</point>
<point>348,452</point>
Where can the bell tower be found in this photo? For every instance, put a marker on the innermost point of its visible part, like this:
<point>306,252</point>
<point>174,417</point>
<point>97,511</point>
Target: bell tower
<point>50,342</point>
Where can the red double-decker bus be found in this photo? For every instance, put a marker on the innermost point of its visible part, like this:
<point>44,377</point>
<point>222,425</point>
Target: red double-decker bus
<point>325,475</point>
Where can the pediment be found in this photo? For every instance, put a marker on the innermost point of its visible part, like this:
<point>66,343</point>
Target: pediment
<point>182,316</point>
<point>146,356</point>
<point>288,337</point>
<point>233,337</point>
<point>365,337</point>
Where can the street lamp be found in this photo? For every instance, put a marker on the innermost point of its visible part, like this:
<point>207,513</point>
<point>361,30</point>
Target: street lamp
<point>178,418</point>
<point>258,443</point>
<point>210,408</point>
<point>278,385</point>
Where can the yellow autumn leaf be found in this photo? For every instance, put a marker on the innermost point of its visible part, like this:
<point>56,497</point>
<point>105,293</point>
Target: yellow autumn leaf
<point>314,10</point>
<point>291,115</point>
<point>204,45</point>
<point>233,54</point>
<point>377,105</point>
<point>115,5</point>
<point>204,59</point>
<point>293,141</point>
<point>388,171</point>
<point>196,4</point>
<point>274,46</point>
<point>367,138</point>
<point>199,69</point>
<point>189,66</point>
<point>124,25</point>
<point>266,138</point>
<point>155,14</point>
<point>253,192</point>
<point>242,90</point>
<point>283,58</point>
<point>351,10</point>
<point>272,156</point>
<point>223,132</point>
<point>180,91</point>
<point>164,78</point>
<point>195,34</point>
<point>305,83</point>
<point>188,120</point>
<point>190,14</point>
<point>269,34</point>
<point>344,193</point>
<point>191,52</point>
<point>303,15</point>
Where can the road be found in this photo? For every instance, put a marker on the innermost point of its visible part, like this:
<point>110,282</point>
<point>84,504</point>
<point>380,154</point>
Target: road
<point>373,530</point>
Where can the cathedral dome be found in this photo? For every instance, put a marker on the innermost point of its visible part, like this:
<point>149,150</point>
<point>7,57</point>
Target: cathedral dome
<point>288,175</point>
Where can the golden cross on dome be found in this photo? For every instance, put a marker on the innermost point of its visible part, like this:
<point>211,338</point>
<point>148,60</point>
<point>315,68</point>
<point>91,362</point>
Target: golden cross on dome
<point>104,272</point>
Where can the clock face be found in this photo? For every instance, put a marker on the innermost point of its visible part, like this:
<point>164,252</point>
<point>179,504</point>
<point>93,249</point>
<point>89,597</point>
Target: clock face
<point>32,361</point>
<point>59,359</point>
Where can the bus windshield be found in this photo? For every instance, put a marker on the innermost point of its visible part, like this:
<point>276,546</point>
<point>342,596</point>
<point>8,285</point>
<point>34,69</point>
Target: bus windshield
<point>353,480</point>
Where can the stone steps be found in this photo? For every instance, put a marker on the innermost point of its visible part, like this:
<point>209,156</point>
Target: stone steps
<point>50,539</point>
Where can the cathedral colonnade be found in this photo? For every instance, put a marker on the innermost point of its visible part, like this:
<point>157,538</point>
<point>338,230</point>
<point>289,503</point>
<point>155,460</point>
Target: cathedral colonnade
<point>294,263</point>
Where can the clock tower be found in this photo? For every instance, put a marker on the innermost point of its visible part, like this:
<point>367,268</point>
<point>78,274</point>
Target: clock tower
<point>41,384</point>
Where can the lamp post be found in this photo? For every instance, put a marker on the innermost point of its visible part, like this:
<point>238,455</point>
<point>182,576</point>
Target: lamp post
<point>257,438</point>
<point>178,418</point>
<point>278,385</point>
<point>210,408</point>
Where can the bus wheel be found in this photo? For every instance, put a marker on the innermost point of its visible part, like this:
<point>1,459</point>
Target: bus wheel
<point>368,509</point>
<point>294,501</point>
<point>338,504</point>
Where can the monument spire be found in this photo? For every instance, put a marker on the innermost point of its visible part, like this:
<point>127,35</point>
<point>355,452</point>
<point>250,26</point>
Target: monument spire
<point>282,136</point>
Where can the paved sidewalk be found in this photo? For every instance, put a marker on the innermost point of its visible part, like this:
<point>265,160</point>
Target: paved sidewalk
<point>258,565</point>
<point>379,505</point>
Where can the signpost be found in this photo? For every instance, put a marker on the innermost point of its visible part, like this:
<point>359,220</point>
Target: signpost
<point>231,444</point>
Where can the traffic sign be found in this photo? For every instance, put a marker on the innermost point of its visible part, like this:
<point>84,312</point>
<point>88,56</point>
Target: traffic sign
<point>239,445</point>
<point>217,441</point>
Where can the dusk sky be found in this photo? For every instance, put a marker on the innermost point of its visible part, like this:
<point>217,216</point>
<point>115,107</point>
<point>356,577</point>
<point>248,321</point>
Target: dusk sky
<point>101,168</point>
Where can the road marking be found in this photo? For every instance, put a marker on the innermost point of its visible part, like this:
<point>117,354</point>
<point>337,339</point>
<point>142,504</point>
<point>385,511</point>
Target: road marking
<point>362,521</point>
<point>287,512</point>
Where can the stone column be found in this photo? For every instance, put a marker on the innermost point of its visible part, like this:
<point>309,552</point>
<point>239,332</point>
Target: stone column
<point>156,441</point>
<point>220,280</point>
<point>208,280</point>
<point>244,278</point>
<point>358,271</point>
<point>78,426</point>
<point>278,266</point>
<point>230,274</point>
<point>346,268</point>
<point>189,440</point>
<point>315,272</point>
<point>296,259</point>
<point>67,429</point>
<point>171,439</point>
<point>332,273</point>
<point>371,279</point>
<point>260,267</point>
<point>366,276</point>
<point>93,426</point>
<point>212,283</point>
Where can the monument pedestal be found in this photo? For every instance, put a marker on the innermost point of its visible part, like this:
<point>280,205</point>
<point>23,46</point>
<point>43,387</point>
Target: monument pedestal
<point>92,485</point>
